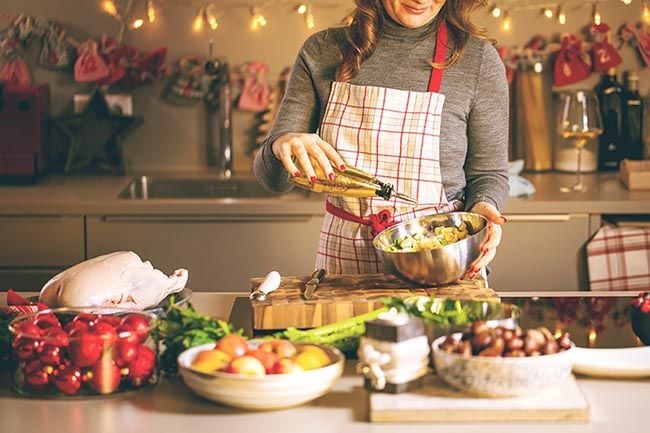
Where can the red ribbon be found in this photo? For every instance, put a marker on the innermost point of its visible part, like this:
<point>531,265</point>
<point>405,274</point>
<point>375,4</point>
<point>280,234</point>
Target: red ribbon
<point>378,222</point>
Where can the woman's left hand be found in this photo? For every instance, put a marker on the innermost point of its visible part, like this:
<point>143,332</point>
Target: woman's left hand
<point>492,239</point>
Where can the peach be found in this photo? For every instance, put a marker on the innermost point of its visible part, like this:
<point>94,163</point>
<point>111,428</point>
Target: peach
<point>268,359</point>
<point>233,344</point>
<point>210,360</point>
<point>286,365</point>
<point>246,365</point>
<point>282,348</point>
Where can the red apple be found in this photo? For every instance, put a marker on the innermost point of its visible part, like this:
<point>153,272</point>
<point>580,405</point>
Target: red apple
<point>25,347</point>
<point>234,345</point>
<point>106,332</point>
<point>27,328</point>
<point>50,354</point>
<point>87,318</point>
<point>67,379</point>
<point>56,337</point>
<point>285,366</point>
<point>137,323</point>
<point>246,365</point>
<point>75,326</point>
<point>37,376</point>
<point>268,359</point>
<point>142,366</point>
<point>124,352</point>
<point>47,320</point>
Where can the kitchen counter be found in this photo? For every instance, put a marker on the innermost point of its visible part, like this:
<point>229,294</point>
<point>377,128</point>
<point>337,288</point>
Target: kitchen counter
<point>97,195</point>
<point>171,407</point>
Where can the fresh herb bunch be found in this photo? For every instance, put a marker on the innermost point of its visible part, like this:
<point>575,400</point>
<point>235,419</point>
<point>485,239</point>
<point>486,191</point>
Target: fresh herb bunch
<point>182,328</point>
<point>444,311</point>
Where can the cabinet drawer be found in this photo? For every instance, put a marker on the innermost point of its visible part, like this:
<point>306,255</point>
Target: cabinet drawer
<point>221,253</point>
<point>26,280</point>
<point>541,253</point>
<point>46,241</point>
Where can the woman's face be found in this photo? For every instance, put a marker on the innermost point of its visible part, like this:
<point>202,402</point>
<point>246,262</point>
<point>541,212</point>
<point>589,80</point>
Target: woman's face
<point>413,13</point>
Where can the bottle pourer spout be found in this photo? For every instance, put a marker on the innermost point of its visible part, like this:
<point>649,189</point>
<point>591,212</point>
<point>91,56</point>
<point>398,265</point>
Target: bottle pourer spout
<point>406,198</point>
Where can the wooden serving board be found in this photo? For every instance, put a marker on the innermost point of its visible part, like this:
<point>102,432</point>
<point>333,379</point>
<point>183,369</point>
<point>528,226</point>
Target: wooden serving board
<point>340,297</point>
<point>438,402</point>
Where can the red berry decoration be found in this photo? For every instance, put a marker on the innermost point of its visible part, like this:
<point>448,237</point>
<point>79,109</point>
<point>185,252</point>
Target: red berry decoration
<point>142,366</point>
<point>46,321</point>
<point>25,348</point>
<point>56,337</point>
<point>75,326</point>
<point>105,377</point>
<point>27,328</point>
<point>111,320</point>
<point>137,323</point>
<point>37,376</point>
<point>87,318</point>
<point>50,354</point>
<point>124,352</point>
<point>85,348</point>
<point>106,332</point>
<point>68,379</point>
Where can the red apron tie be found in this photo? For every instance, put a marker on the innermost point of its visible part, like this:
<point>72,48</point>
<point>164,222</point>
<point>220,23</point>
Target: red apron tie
<point>378,222</point>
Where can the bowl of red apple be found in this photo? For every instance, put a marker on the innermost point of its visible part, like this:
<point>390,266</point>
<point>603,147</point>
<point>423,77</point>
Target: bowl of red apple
<point>80,352</point>
<point>260,374</point>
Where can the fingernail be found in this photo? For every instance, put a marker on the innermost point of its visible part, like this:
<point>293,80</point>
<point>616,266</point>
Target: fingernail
<point>313,179</point>
<point>296,174</point>
<point>331,176</point>
<point>342,167</point>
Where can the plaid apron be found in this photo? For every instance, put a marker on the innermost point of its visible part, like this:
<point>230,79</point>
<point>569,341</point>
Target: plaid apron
<point>394,135</point>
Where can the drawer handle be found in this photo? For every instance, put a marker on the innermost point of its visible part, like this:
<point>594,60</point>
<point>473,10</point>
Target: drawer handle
<point>539,217</point>
<point>206,219</point>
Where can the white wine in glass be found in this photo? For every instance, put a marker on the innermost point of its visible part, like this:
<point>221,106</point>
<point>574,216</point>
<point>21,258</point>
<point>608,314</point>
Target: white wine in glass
<point>579,120</point>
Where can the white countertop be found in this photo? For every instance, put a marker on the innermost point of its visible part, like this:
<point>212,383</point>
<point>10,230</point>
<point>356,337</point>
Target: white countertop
<point>616,406</point>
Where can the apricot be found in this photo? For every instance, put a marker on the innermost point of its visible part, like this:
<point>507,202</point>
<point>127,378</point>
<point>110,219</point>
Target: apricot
<point>233,344</point>
<point>268,359</point>
<point>208,361</point>
<point>246,365</point>
<point>312,357</point>
<point>285,366</point>
<point>282,348</point>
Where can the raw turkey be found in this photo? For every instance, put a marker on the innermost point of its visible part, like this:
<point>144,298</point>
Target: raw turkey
<point>119,279</point>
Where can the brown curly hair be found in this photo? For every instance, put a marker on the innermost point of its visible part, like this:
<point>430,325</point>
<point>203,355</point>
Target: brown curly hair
<point>365,23</point>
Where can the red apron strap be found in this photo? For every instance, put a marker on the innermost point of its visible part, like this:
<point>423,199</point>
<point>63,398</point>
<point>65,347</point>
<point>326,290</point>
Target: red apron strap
<point>439,57</point>
<point>378,222</point>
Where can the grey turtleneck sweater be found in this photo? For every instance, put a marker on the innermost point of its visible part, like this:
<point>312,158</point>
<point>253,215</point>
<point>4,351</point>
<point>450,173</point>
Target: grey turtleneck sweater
<point>474,137</point>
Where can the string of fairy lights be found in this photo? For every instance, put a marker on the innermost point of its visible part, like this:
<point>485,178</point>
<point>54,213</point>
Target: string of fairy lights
<point>557,10</point>
<point>135,14</point>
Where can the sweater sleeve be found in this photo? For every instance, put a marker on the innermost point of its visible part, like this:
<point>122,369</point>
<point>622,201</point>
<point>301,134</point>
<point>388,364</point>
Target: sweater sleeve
<point>486,166</point>
<point>298,113</point>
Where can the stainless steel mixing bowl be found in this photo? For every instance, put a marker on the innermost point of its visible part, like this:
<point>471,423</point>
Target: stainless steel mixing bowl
<point>434,266</point>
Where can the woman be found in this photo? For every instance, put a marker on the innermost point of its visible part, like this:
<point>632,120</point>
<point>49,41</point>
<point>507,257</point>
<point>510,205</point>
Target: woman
<point>375,91</point>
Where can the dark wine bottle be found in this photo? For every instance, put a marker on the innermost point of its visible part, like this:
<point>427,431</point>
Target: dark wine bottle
<point>632,133</point>
<point>610,149</point>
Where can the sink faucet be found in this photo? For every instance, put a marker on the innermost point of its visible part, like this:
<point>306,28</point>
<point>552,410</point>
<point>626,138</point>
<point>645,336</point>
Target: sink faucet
<point>218,106</point>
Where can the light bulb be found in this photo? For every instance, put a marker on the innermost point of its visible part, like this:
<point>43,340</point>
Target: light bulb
<point>197,24</point>
<point>301,9</point>
<point>561,16</point>
<point>548,12</point>
<point>309,20</point>
<point>151,12</point>
<point>627,2</point>
<point>257,19</point>
<point>496,11</point>
<point>109,7</point>
<point>506,22</point>
<point>211,18</point>
<point>597,18</point>
<point>645,13</point>
<point>137,23</point>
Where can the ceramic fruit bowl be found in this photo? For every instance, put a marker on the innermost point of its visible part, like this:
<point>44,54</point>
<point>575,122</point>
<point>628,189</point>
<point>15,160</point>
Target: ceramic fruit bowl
<point>499,376</point>
<point>246,385</point>
<point>79,352</point>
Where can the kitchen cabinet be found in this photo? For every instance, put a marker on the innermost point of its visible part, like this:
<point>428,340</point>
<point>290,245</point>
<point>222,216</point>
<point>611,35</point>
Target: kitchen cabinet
<point>35,247</point>
<point>542,252</point>
<point>221,252</point>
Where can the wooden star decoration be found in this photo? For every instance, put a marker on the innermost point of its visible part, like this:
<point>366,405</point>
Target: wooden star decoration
<point>95,137</point>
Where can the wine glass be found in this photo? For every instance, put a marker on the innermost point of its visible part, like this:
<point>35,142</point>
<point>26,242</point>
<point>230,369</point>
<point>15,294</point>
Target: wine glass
<point>579,120</point>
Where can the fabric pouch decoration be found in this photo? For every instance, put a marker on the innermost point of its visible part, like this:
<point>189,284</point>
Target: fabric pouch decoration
<point>90,65</point>
<point>146,68</point>
<point>15,73</point>
<point>639,37</point>
<point>255,91</point>
<point>603,52</point>
<point>185,86</point>
<point>55,52</point>
<point>572,64</point>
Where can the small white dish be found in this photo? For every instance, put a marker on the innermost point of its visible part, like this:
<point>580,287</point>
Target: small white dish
<point>624,363</point>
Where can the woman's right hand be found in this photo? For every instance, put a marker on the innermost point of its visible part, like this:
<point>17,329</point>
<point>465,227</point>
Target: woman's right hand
<point>305,147</point>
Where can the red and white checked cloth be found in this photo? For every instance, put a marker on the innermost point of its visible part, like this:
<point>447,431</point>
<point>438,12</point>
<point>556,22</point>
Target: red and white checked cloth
<point>619,258</point>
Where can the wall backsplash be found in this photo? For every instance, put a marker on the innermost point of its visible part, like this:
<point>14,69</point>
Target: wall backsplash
<point>172,137</point>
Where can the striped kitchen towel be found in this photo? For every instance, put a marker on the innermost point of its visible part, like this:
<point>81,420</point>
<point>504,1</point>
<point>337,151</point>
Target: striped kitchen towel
<point>619,258</point>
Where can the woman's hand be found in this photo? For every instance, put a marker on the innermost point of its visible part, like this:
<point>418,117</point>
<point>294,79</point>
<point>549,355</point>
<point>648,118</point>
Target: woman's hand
<point>302,147</point>
<point>491,241</point>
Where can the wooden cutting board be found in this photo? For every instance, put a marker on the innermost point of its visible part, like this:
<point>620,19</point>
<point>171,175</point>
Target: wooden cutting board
<point>340,297</point>
<point>438,402</point>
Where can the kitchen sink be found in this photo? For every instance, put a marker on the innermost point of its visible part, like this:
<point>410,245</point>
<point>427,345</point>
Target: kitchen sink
<point>151,187</point>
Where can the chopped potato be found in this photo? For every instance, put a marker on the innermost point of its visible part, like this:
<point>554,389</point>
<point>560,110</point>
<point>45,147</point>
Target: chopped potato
<point>440,237</point>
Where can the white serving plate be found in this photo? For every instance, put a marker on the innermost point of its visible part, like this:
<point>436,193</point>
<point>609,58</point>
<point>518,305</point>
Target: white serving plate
<point>627,363</point>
